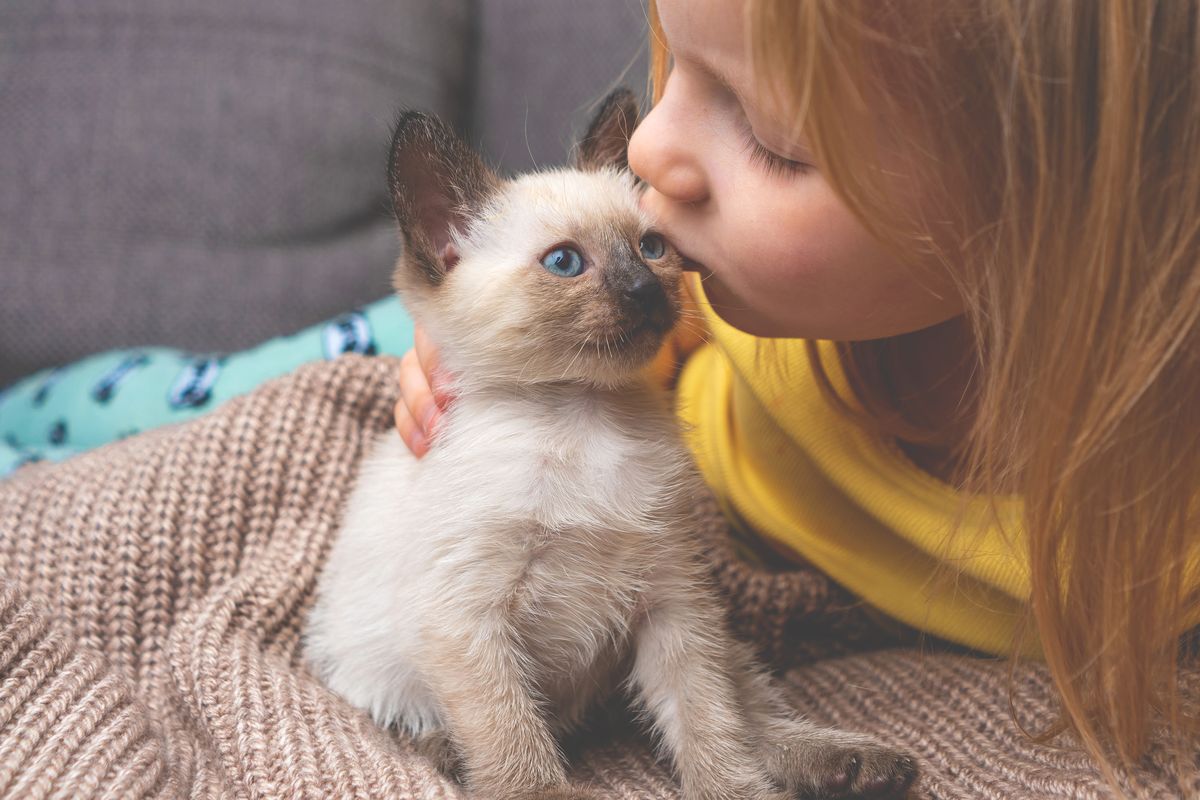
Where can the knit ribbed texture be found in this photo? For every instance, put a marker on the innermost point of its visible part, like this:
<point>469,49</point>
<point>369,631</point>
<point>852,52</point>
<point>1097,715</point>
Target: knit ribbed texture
<point>154,593</point>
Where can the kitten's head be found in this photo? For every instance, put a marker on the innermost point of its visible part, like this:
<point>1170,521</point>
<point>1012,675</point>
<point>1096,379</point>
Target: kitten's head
<point>554,275</point>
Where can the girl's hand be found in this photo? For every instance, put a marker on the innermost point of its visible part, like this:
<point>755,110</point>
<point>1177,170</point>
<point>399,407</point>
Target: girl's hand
<point>422,399</point>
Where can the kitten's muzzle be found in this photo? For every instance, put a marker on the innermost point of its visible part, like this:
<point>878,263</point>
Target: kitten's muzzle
<point>644,304</point>
<point>645,292</point>
<point>637,294</point>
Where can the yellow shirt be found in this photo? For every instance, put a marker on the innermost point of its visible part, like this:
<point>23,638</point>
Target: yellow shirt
<point>811,482</point>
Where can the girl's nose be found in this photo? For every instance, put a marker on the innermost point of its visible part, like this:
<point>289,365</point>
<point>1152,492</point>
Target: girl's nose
<point>661,154</point>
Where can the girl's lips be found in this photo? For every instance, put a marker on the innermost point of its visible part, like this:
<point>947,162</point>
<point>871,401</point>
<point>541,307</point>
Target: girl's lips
<point>692,265</point>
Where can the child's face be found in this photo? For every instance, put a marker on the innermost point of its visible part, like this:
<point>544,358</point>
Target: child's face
<point>786,257</point>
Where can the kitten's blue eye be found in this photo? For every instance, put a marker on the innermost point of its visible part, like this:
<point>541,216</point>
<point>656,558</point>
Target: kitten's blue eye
<point>652,246</point>
<point>564,262</point>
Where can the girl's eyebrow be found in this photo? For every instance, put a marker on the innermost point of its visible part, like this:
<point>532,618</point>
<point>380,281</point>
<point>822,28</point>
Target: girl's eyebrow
<point>697,62</point>
<point>712,73</point>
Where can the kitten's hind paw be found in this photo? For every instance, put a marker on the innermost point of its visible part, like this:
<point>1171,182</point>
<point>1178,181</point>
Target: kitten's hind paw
<point>814,763</point>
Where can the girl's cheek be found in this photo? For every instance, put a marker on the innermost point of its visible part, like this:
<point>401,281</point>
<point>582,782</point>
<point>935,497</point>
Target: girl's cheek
<point>763,228</point>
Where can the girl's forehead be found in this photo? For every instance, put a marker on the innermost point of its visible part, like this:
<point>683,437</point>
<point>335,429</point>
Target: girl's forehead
<point>708,32</point>
<point>710,36</point>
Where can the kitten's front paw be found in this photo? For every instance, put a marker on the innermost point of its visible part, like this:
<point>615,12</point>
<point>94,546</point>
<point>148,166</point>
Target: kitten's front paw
<point>831,764</point>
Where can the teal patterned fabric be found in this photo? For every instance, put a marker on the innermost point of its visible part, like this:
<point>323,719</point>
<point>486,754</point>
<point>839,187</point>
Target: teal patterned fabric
<point>56,413</point>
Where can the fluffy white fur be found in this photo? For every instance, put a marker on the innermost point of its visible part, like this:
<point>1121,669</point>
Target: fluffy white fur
<point>547,513</point>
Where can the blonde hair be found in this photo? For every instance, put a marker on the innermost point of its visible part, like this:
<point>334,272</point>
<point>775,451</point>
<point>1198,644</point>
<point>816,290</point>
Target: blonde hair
<point>1062,138</point>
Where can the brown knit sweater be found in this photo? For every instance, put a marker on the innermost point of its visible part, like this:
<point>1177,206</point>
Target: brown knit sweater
<point>153,594</point>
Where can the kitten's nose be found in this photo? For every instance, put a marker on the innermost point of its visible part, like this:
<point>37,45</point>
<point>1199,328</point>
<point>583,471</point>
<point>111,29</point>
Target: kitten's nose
<point>645,291</point>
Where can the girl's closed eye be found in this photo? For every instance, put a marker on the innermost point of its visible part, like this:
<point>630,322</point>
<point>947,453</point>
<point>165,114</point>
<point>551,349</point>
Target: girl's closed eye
<point>769,160</point>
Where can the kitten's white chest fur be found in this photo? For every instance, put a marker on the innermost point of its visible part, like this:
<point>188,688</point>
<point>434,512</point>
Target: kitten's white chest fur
<point>544,514</point>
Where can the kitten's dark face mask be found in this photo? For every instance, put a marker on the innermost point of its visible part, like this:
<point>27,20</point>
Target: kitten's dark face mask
<point>557,275</point>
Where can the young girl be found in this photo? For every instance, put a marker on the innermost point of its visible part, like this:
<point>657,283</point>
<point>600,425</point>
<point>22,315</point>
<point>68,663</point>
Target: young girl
<point>972,232</point>
<point>947,257</point>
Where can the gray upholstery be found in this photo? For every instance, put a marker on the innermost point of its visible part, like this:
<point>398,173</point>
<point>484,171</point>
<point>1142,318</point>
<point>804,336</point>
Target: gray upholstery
<point>207,175</point>
<point>544,65</point>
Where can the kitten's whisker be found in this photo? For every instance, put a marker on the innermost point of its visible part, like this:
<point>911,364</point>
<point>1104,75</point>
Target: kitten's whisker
<point>528,361</point>
<point>704,335</point>
<point>529,149</point>
<point>727,307</point>
<point>578,353</point>
<point>691,319</point>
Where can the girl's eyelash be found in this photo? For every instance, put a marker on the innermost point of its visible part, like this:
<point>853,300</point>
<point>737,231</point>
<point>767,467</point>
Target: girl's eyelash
<point>773,163</point>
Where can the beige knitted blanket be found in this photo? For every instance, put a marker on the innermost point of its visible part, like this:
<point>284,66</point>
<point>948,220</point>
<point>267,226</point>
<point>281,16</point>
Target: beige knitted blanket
<point>154,593</point>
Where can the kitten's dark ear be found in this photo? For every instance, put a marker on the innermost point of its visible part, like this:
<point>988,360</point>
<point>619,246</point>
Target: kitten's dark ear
<point>606,142</point>
<point>437,184</point>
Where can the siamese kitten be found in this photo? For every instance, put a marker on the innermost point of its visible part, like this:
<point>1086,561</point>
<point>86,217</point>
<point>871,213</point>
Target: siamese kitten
<point>542,554</point>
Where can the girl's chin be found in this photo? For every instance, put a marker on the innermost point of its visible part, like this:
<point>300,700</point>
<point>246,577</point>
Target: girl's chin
<point>734,311</point>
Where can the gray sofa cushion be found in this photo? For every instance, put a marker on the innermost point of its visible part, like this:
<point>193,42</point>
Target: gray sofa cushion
<point>208,175</point>
<point>203,175</point>
<point>544,67</point>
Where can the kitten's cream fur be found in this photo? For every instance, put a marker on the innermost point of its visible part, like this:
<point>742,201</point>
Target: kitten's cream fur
<point>542,555</point>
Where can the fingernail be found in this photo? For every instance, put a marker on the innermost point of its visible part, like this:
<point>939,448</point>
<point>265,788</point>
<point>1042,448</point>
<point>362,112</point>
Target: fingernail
<point>429,417</point>
<point>437,385</point>
<point>418,443</point>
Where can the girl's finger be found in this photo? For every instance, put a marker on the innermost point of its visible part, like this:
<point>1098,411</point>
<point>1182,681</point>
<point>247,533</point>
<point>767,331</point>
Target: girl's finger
<point>430,360</point>
<point>412,436</point>
<point>416,394</point>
